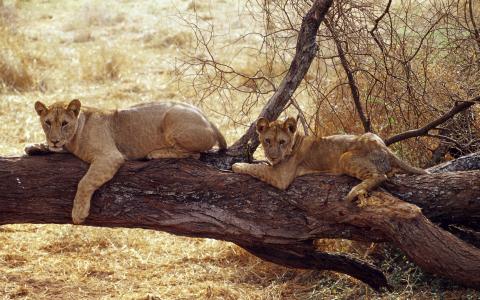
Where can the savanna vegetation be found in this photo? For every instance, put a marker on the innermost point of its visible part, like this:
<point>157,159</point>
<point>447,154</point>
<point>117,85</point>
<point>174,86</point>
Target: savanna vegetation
<point>382,66</point>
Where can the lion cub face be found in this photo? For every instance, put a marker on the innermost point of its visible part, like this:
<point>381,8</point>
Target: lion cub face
<point>59,122</point>
<point>277,138</point>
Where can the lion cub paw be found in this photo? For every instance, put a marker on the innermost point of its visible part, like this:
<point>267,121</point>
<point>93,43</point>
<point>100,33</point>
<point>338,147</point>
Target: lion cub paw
<point>238,167</point>
<point>79,213</point>
<point>355,194</point>
<point>36,149</point>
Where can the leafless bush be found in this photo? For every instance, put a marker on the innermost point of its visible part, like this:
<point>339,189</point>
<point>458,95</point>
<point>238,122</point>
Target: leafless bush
<point>392,66</point>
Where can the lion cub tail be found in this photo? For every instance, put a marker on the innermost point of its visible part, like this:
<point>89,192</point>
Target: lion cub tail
<point>405,166</point>
<point>222,144</point>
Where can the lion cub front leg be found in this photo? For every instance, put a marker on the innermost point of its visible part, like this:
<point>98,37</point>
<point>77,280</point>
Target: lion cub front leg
<point>278,176</point>
<point>101,170</point>
<point>37,149</point>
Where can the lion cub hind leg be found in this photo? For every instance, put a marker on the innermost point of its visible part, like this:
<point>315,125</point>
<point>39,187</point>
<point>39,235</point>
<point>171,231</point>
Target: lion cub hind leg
<point>361,190</point>
<point>171,153</point>
<point>189,131</point>
<point>356,164</point>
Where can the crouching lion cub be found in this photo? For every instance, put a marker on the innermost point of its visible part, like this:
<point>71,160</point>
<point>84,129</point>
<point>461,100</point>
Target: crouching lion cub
<point>365,157</point>
<point>105,139</point>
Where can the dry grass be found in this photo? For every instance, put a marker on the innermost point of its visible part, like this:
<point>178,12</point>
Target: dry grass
<point>16,64</point>
<point>102,64</point>
<point>114,54</point>
<point>65,262</point>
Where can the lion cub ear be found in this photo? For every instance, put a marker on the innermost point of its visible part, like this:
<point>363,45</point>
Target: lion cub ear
<point>40,108</point>
<point>74,106</point>
<point>262,125</point>
<point>290,124</point>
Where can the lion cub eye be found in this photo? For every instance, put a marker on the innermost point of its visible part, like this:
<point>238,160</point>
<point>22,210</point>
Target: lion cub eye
<point>64,123</point>
<point>48,123</point>
<point>267,141</point>
<point>281,142</point>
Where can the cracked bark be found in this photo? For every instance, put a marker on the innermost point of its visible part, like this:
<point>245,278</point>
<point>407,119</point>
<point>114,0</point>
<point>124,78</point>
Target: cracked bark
<point>187,197</point>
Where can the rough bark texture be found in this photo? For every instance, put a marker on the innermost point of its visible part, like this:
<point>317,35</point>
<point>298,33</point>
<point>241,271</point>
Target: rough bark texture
<point>306,50</point>
<point>464,163</point>
<point>186,197</point>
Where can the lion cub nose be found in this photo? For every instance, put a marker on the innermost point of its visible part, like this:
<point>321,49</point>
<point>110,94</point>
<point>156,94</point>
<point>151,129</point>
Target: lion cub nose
<point>55,142</point>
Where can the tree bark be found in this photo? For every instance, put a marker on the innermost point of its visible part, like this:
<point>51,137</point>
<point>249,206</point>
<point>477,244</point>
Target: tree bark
<point>187,197</point>
<point>464,163</point>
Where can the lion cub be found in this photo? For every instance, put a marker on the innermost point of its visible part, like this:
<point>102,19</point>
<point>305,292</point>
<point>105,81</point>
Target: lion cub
<point>106,138</point>
<point>365,157</point>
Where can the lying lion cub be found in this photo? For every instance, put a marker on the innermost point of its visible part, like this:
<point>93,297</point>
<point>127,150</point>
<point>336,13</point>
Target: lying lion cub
<point>291,155</point>
<point>105,139</point>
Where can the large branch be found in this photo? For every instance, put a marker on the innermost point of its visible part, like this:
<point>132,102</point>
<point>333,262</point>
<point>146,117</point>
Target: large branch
<point>306,49</point>
<point>422,131</point>
<point>189,198</point>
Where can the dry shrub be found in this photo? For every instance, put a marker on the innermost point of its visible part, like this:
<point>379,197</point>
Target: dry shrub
<point>102,64</point>
<point>161,40</point>
<point>16,64</point>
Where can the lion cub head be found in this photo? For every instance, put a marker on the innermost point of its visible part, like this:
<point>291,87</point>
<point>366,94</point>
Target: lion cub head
<point>277,138</point>
<point>59,122</point>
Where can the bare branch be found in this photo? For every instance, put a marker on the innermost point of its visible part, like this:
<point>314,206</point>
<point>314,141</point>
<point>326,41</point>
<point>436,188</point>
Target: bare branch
<point>459,107</point>
<point>301,116</point>
<point>351,79</point>
<point>376,22</point>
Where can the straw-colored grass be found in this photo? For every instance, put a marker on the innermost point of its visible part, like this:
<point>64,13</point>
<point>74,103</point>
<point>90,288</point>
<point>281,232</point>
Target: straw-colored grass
<point>113,54</point>
<point>16,65</point>
<point>101,64</point>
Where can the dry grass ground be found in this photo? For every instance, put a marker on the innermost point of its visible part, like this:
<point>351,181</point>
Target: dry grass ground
<point>114,54</point>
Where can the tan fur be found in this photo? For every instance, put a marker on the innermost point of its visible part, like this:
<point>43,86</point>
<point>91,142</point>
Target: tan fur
<point>106,138</point>
<point>365,157</point>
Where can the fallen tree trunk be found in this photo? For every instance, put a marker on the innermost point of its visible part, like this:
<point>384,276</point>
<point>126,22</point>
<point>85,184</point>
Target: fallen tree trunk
<point>186,197</point>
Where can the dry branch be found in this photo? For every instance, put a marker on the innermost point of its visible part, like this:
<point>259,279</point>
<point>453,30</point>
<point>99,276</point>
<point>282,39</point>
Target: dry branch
<point>376,22</point>
<point>458,107</point>
<point>189,198</point>
<point>306,50</point>
<point>367,127</point>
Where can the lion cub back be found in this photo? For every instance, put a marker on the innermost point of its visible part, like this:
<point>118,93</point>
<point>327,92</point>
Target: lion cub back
<point>143,128</point>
